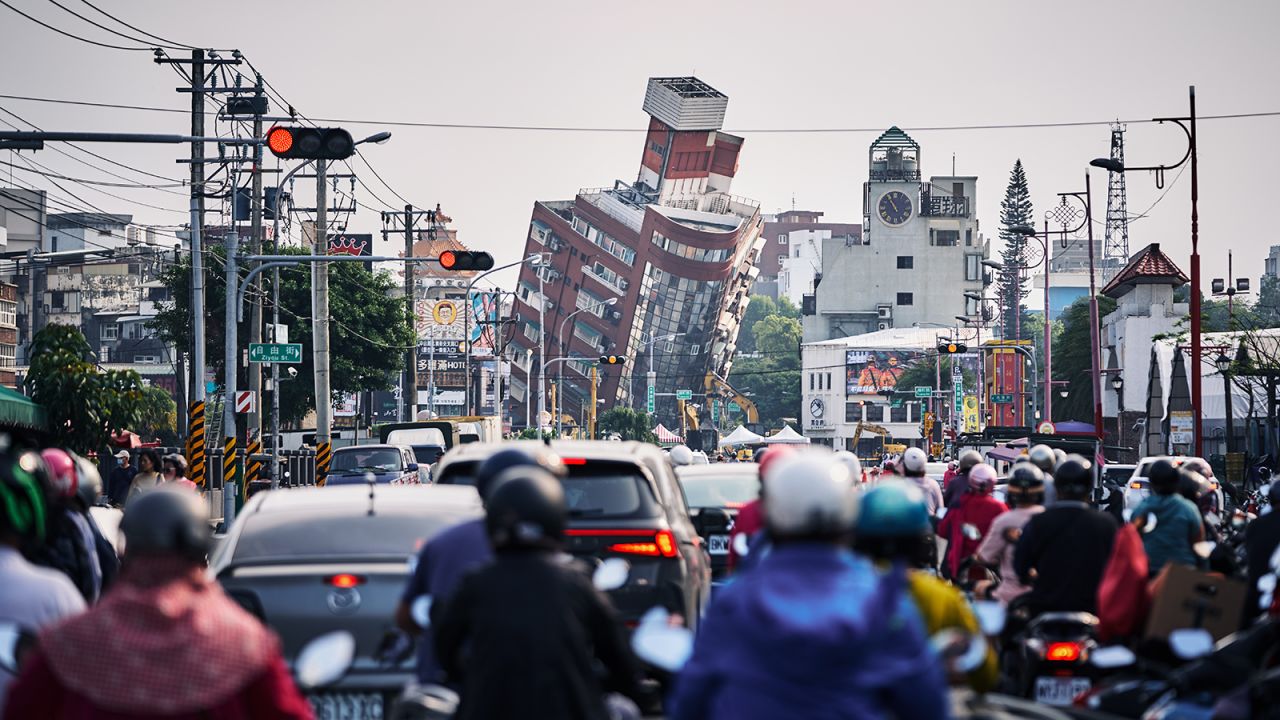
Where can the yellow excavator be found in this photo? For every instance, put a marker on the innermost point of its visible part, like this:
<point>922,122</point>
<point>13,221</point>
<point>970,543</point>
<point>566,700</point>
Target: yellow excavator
<point>885,447</point>
<point>716,385</point>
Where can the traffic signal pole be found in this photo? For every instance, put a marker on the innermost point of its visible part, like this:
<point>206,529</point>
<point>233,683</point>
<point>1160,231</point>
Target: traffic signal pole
<point>320,325</point>
<point>230,361</point>
<point>196,428</point>
<point>253,444</point>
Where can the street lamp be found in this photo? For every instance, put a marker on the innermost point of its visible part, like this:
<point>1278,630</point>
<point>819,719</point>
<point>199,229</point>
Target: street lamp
<point>1226,287</point>
<point>1028,231</point>
<point>1064,214</point>
<point>993,264</point>
<point>1223,362</point>
<point>564,349</point>
<point>1188,126</point>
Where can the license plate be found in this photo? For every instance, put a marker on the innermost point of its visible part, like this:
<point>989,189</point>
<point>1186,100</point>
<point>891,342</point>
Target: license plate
<point>347,706</point>
<point>718,544</point>
<point>1060,690</point>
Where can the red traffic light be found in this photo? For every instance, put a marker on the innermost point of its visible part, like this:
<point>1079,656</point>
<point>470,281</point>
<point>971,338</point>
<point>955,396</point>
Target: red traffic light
<point>306,143</point>
<point>280,140</point>
<point>462,260</point>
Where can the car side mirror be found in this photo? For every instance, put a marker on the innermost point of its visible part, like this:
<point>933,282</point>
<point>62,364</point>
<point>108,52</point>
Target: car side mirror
<point>712,520</point>
<point>413,467</point>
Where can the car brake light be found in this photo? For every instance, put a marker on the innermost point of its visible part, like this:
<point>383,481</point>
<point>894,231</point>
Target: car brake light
<point>1135,485</point>
<point>663,544</point>
<point>345,580</point>
<point>1062,652</point>
<point>574,461</point>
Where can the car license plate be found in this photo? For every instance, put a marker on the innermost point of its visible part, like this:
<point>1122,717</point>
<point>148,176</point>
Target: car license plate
<point>1060,690</point>
<point>718,544</point>
<point>347,706</point>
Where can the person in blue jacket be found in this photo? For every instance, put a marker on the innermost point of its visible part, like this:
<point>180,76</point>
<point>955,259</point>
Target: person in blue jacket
<point>813,631</point>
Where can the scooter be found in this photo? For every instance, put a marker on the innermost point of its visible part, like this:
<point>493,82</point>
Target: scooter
<point>1049,658</point>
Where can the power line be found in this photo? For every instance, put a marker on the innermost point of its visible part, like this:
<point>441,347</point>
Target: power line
<point>73,36</point>
<point>83,181</point>
<point>100,26</point>
<point>138,29</point>
<point>21,119</point>
<point>587,129</point>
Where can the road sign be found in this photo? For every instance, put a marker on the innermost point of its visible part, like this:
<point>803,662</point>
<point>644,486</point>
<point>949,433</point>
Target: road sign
<point>924,391</point>
<point>653,399</point>
<point>684,394</point>
<point>246,401</point>
<point>275,352</point>
<point>1002,398</point>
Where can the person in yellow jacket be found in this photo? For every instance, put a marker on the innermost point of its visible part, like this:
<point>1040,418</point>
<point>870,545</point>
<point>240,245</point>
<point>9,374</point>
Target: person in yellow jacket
<point>893,526</point>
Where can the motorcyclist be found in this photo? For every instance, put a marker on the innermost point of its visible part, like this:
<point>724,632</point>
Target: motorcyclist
<point>1064,550</point>
<point>31,597</point>
<point>968,522</point>
<point>68,546</point>
<point>959,484</point>
<point>1043,457</point>
<point>1261,538</point>
<point>88,493</point>
<point>1170,525</point>
<point>814,630</point>
<point>750,519</point>
<point>166,642</point>
<point>1026,500</point>
<point>894,526</point>
<point>914,463</point>
<point>523,634</point>
<point>680,455</point>
<point>852,462</point>
<point>449,556</point>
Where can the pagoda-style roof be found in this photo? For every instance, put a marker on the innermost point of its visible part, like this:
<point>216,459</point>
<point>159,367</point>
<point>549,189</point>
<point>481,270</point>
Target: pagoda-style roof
<point>895,137</point>
<point>1150,266</point>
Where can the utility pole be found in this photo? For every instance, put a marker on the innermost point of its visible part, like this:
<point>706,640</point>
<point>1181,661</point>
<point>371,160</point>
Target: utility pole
<point>320,323</point>
<point>253,443</point>
<point>411,402</point>
<point>195,436</point>
<point>230,362</point>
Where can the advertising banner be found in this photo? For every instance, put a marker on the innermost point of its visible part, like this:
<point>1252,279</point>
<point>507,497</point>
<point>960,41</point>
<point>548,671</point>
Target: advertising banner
<point>867,372</point>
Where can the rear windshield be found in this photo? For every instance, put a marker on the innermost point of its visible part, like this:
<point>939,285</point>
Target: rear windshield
<point>371,459</point>
<point>604,490</point>
<point>309,538</point>
<point>731,490</point>
<point>427,454</point>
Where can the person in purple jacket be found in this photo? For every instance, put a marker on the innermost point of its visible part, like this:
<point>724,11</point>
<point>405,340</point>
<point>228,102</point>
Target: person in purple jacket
<point>814,630</point>
<point>449,556</point>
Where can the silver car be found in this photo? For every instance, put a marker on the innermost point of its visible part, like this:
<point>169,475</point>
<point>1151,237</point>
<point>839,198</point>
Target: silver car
<point>308,561</point>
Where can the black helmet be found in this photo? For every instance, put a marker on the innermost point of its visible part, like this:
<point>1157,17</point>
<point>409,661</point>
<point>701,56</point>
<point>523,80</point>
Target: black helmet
<point>1163,477</point>
<point>526,509</point>
<point>25,490</point>
<point>1074,476</point>
<point>968,459</point>
<point>539,456</point>
<point>1191,484</point>
<point>1042,457</point>
<point>1026,484</point>
<point>167,521</point>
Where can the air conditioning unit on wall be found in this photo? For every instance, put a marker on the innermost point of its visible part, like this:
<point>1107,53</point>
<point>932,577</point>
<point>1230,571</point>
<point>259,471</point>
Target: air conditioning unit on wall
<point>883,325</point>
<point>884,312</point>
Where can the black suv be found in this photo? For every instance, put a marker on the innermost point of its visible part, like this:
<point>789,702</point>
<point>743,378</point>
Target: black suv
<point>624,502</point>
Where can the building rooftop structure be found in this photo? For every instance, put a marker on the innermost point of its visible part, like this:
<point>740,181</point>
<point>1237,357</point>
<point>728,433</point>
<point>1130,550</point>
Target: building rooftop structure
<point>1149,266</point>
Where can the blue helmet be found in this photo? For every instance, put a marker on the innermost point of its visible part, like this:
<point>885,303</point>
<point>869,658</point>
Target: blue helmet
<point>893,509</point>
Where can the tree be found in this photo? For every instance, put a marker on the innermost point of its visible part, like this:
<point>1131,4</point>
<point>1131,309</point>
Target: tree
<point>83,405</point>
<point>774,375</point>
<point>158,416</point>
<point>1073,361</point>
<point>1015,211</point>
<point>759,308</point>
<point>627,424</point>
<point>368,332</point>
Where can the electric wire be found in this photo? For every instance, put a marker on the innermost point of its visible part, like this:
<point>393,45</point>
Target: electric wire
<point>73,36</point>
<point>100,26</point>
<point>172,43</point>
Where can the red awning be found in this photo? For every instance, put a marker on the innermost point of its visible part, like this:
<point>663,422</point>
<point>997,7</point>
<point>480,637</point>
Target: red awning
<point>126,439</point>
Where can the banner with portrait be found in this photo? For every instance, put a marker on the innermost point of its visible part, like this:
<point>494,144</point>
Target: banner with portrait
<point>867,372</point>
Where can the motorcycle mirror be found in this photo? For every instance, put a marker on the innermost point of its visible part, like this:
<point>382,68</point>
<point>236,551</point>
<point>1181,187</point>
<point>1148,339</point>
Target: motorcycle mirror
<point>740,545</point>
<point>1150,523</point>
<point>11,637</point>
<point>961,651</point>
<point>658,643</point>
<point>991,616</point>
<point>325,659</point>
<point>420,610</point>
<point>1191,643</point>
<point>611,574</point>
<point>971,531</point>
<point>1113,657</point>
<point>1204,549</point>
<point>1127,514</point>
<point>942,512</point>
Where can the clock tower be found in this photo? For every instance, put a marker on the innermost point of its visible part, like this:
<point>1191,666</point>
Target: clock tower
<point>891,195</point>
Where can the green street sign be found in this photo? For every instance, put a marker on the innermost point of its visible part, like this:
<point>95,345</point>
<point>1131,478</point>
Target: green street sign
<point>275,352</point>
<point>924,391</point>
<point>1002,398</point>
<point>653,399</point>
<point>684,394</point>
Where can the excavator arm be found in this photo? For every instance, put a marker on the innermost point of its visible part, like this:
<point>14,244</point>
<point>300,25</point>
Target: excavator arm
<point>719,386</point>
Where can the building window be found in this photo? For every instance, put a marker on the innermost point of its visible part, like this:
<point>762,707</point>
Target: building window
<point>146,359</point>
<point>811,377</point>
<point>906,262</point>
<point>972,268</point>
<point>906,299</point>
<point>828,381</point>
<point>898,414</point>
<point>781,258</point>
<point>110,331</point>
<point>782,239</point>
<point>853,412</point>
<point>945,238</point>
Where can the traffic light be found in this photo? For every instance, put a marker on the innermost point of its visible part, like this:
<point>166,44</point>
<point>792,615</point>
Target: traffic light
<point>306,143</point>
<point>613,359</point>
<point>465,260</point>
<point>951,348</point>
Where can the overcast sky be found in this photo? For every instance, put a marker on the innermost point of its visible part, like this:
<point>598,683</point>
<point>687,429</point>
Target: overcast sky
<point>793,66</point>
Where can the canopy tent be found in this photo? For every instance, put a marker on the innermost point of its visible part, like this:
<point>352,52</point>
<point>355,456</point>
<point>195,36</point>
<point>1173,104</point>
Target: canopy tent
<point>17,410</point>
<point>741,436</point>
<point>666,437</point>
<point>1072,427</point>
<point>1004,454</point>
<point>786,436</point>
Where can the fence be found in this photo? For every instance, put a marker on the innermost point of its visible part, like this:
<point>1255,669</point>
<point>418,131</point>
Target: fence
<point>297,469</point>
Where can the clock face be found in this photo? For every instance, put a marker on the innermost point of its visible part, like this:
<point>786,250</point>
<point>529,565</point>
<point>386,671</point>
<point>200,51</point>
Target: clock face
<point>894,208</point>
<point>817,407</point>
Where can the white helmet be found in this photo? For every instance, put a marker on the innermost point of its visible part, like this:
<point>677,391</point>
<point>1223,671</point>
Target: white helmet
<point>681,455</point>
<point>914,461</point>
<point>852,462</point>
<point>810,494</point>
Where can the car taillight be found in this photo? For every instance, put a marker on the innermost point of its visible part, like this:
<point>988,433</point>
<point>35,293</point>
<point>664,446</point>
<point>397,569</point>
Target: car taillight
<point>663,543</point>
<point>574,461</point>
<point>1062,652</point>
<point>345,580</point>
<point>1135,485</point>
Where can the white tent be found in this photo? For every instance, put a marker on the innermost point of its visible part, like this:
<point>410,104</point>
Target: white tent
<point>786,436</point>
<point>741,436</point>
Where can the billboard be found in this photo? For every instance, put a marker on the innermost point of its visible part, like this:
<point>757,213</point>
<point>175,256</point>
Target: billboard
<point>867,372</point>
<point>439,319</point>
<point>351,244</point>
<point>484,316</point>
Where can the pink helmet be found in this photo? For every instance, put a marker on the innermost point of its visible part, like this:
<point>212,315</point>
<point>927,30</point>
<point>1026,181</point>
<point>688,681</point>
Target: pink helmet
<point>982,479</point>
<point>62,469</point>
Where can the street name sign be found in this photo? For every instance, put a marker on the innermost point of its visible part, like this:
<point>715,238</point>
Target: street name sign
<point>275,352</point>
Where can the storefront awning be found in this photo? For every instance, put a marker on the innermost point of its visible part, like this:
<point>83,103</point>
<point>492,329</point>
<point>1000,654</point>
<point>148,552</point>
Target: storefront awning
<point>17,410</point>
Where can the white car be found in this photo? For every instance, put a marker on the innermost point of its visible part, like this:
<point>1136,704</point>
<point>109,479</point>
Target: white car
<point>1138,487</point>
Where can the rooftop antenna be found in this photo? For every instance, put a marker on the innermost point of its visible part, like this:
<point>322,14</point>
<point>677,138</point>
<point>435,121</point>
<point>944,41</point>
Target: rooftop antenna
<point>793,201</point>
<point>953,164</point>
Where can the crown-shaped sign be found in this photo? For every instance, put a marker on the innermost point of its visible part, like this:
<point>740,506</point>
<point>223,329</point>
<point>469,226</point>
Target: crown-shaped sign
<point>346,245</point>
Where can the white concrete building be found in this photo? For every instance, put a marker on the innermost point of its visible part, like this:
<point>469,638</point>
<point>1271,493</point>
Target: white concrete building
<point>920,251</point>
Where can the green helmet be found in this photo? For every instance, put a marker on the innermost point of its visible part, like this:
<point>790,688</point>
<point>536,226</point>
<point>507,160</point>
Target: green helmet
<point>24,494</point>
<point>893,509</point>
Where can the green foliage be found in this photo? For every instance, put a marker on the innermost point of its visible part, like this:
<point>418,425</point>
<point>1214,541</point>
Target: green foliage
<point>1072,360</point>
<point>759,308</point>
<point>1015,210</point>
<point>773,378</point>
<point>82,404</point>
<point>369,331</point>
<point>627,424</point>
<point>925,373</point>
<point>158,416</point>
